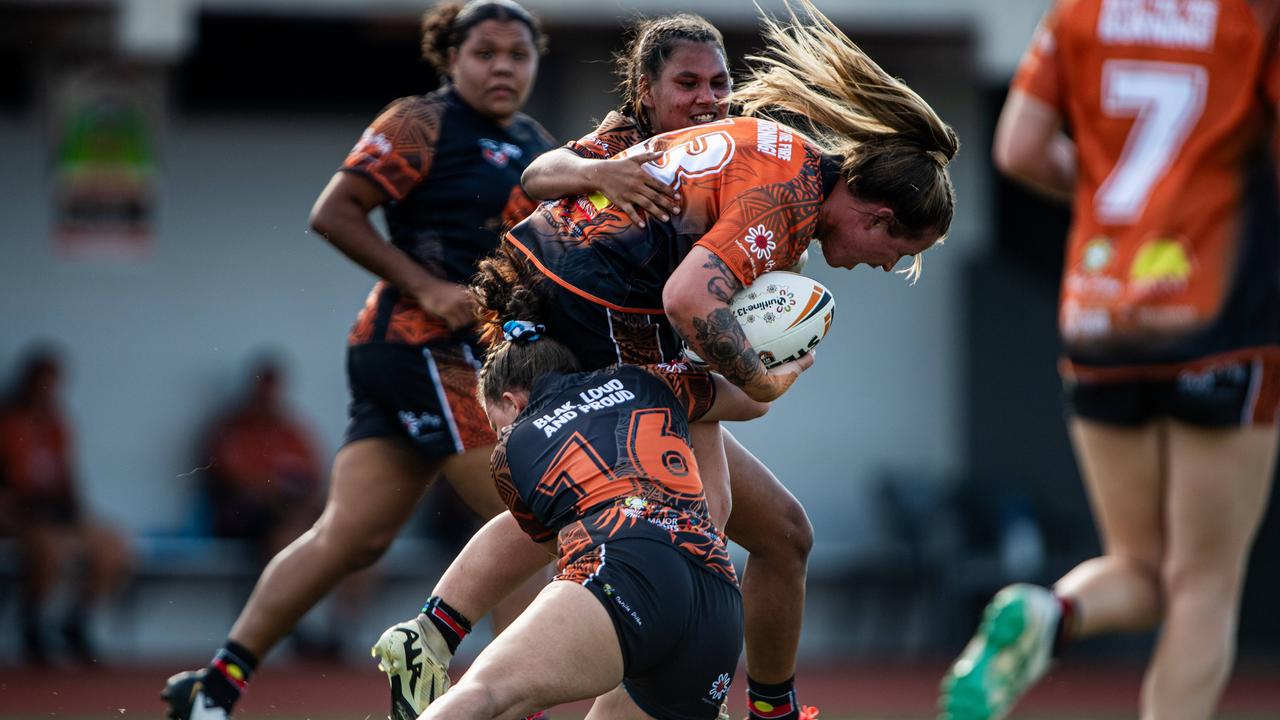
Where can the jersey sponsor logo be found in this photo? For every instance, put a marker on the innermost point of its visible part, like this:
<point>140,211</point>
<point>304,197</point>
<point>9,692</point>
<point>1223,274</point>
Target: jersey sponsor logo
<point>1187,25</point>
<point>1097,255</point>
<point>1084,323</point>
<point>372,143</point>
<point>772,140</point>
<point>499,154</point>
<point>1161,264</point>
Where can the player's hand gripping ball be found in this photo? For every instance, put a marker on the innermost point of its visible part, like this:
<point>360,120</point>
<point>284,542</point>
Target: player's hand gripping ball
<point>783,315</point>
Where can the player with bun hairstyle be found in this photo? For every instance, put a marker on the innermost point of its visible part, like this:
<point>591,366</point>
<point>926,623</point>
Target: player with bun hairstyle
<point>1170,321</point>
<point>445,167</point>
<point>645,610</point>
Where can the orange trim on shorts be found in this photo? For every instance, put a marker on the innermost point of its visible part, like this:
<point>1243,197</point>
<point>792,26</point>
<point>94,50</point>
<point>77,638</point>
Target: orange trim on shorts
<point>1270,356</point>
<point>1266,401</point>
<point>576,290</point>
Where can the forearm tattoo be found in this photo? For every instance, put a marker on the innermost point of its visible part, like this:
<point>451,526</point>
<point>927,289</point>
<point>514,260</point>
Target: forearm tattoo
<point>723,283</point>
<point>720,341</point>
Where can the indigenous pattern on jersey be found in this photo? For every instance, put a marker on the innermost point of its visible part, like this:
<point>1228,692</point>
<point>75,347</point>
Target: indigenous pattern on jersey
<point>452,179</point>
<point>750,191</point>
<point>605,455</point>
<point>1173,252</point>
<point>616,133</point>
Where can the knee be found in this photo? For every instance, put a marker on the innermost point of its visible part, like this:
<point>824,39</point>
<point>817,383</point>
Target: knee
<point>784,533</point>
<point>1213,585</point>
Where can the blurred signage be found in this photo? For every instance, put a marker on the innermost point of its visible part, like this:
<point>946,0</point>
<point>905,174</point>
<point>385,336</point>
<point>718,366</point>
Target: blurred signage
<point>104,163</point>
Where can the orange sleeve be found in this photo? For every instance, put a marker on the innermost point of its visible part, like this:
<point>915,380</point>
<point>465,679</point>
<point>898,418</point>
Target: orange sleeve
<point>768,212</point>
<point>1040,72</point>
<point>502,479</point>
<point>616,133</point>
<point>395,152</point>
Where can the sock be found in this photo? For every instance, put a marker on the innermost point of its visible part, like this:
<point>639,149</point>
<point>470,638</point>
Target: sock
<point>1067,609</point>
<point>229,674</point>
<point>451,624</point>
<point>772,702</point>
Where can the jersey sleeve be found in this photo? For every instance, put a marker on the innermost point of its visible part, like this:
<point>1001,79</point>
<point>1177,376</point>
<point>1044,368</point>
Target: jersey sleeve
<point>1040,71</point>
<point>768,213</point>
<point>501,470</point>
<point>396,151</point>
<point>694,388</point>
<point>616,133</point>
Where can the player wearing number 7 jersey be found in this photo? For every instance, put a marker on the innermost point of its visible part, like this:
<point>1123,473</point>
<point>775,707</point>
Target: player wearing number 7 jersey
<point>1170,316</point>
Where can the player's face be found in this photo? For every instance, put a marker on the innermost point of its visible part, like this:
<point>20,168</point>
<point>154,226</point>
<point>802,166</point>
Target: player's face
<point>494,67</point>
<point>856,232</point>
<point>688,89</point>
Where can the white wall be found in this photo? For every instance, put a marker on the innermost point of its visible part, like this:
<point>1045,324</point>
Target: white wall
<point>155,347</point>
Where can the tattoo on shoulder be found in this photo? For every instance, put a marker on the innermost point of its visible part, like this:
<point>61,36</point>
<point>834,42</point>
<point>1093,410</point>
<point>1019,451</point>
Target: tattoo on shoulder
<point>723,344</point>
<point>723,284</point>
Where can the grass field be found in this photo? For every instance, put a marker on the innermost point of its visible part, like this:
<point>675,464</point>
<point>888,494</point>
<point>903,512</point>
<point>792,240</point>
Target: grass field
<point>884,691</point>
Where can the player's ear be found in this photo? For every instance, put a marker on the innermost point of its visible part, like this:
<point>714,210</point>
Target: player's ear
<point>518,400</point>
<point>645,90</point>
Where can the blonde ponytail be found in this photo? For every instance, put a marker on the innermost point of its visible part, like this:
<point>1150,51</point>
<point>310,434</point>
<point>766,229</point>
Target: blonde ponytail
<point>895,148</point>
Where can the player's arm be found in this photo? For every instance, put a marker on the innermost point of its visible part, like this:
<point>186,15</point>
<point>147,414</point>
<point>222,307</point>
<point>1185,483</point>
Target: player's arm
<point>341,216</point>
<point>563,173</point>
<point>696,300</point>
<point>1031,147</point>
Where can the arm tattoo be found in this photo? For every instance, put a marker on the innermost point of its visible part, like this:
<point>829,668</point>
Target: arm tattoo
<point>721,342</point>
<point>723,284</point>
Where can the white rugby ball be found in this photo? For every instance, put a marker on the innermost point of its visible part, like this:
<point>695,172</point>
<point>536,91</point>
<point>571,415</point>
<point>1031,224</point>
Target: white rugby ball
<point>784,315</point>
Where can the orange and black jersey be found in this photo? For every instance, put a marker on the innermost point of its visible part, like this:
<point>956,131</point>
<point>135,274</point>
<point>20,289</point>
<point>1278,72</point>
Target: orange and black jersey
<point>603,455</point>
<point>750,188</point>
<point>452,179</point>
<point>1174,243</point>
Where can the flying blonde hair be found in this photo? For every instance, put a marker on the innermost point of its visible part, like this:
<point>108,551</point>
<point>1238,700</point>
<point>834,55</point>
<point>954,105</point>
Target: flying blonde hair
<point>895,148</point>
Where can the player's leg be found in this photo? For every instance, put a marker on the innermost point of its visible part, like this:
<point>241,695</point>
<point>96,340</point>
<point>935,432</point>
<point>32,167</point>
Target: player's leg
<point>563,648</point>
<point>772,526</point>
<point>707,441</point>
<point>43,552</point>
<point>1122,467</point>
<point>1125,474</point>
<point>469,474</point>
<point>1217,492</point>
<point>616,705</point>
<point>376,483</point>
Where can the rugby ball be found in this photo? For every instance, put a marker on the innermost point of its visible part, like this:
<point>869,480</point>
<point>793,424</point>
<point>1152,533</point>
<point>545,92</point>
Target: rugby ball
<point>784,315</point>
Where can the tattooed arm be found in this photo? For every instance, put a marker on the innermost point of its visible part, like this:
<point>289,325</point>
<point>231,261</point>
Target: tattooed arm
<point>696,299</point>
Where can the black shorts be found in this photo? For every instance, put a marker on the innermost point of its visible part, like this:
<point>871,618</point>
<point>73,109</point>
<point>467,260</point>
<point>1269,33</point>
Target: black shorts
<point>423,393</point>
<point>680,627</point>
<point>1230,393</point>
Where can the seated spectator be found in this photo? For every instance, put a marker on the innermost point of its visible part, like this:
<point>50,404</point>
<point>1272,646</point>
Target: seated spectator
<point>264,476</point>
<point>41,508</point>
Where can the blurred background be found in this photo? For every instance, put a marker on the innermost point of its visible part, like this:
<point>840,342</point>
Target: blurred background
<point>927,444</point>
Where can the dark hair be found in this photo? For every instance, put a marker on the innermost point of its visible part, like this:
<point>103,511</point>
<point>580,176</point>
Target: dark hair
<point>508,287</point>
<point>448,24</point>
<point>37,362</point>
<point>649,44</point>
<point>895,147</point>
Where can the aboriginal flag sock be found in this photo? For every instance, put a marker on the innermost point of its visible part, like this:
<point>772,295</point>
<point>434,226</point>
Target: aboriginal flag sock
<point>229,674</point>
<point>772,702</point>
<point>451,624</point>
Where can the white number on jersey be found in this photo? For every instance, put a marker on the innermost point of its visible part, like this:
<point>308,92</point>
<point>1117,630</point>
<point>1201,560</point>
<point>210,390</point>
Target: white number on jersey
<point>1165,100</point>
